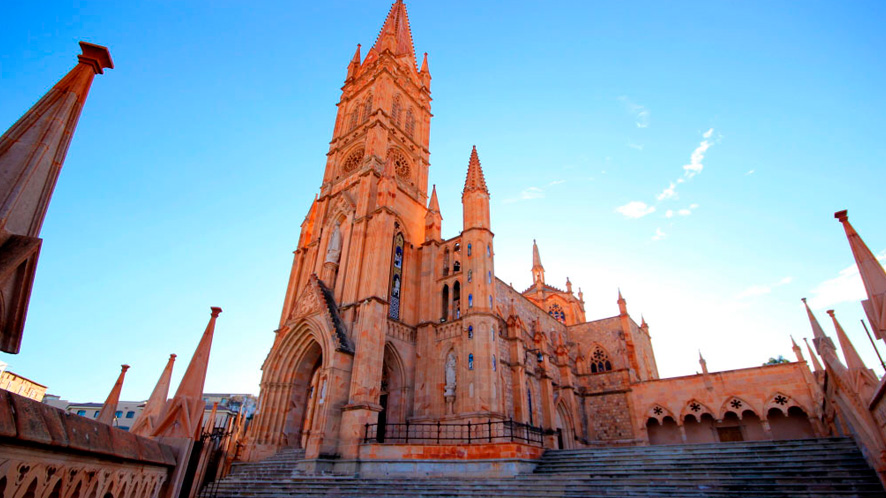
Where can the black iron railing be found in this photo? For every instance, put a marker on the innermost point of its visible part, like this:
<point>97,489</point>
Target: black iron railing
<point>491,431</point>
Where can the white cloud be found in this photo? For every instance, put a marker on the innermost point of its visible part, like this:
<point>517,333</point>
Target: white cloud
<point>668,193</point>
<point>636,146</point>
<point>750,172</point>
<point>695,161</point>
<point>532,193</point>
<point>635,209</point>
<point>641,113</point>
<point>846,286</point>
<point>669,213</point>
<point>556,182</point>
<point>659,234</point>
<point>762,289</point>
<point>693,206</point>
<point>684,212</point>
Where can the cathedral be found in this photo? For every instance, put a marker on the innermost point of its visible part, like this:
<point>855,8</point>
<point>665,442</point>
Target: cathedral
<point>391,335</point>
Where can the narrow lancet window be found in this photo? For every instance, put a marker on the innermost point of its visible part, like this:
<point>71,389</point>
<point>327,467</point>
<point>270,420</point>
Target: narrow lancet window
<point>396,277</point>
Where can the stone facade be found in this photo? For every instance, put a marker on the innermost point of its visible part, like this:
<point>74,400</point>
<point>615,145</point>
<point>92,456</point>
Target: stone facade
<point>385,323</point>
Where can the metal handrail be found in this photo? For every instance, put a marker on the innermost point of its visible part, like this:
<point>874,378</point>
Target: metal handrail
<point>491,431</point>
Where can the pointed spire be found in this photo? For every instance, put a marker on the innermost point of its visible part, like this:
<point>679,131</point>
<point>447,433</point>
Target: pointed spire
<point>816,366</point>
<point>819,339</point>
<point>395,34</point>
<point>434,205</point>
<point>581,295</point>
<point>354,65</point>
<point>433,218</point>
<point>853,360</point>
<point>184,412</point>
<point>797,351</point>
<point>622,304</point>
<point>475,179</point>
<point>568,285</point>
<point>644,325</point>
<point>538,271</point>
<point>32,152</point>
<point>872,275</point>
<point>425,72</point>
<point>144,425</point>
<point>106,415</point>
<point>703,363</point>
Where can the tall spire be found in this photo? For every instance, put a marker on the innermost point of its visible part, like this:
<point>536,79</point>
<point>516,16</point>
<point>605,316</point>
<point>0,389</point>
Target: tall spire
<point>32,152</point>
<point>354,65</point>
<point>106,415</point>
<point>703,363</point>
<point>154,406</point>
<point>797,351</point>
<point>433,218</point>
<point>622,304</point>
<point>475,179</point>
<point>184,412</point>
<point>819,339</point>
<point>538,271</point>
<point>853,360</point>
<point>816,366</point>
<point>425,73</point>
<point>872,274</point>
<point>395,34</point>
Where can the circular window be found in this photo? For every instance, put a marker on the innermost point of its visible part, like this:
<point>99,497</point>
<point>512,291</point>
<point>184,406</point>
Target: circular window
<point>353,161</point>
<point>401,164</point>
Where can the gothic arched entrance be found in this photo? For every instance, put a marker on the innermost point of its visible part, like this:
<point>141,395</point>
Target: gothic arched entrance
<point>565,434</point>
<point>392,395</point>
<point>307,397</point>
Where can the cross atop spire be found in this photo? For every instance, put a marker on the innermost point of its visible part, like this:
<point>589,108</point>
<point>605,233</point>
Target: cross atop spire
<point>872,274</point>
<point>395,34</point>
<point>475,179</point>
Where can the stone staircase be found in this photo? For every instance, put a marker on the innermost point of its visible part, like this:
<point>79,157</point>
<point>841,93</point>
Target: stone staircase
<point>831,467</point>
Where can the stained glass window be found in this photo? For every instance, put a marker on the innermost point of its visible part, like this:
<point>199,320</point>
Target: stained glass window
<point>396,277</point>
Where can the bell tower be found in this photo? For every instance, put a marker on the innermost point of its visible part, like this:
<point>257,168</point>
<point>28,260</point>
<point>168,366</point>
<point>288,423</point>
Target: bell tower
<point>384,114</point>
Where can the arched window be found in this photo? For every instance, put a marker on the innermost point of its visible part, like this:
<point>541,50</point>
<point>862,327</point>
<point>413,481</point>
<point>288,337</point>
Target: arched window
<point>395,110</point>
<point>494,365</point>
<point>469,249</point>
<point>470,331</point>
<point>355,117</point>
<point>400,163</point>
<point>444,297</point>
<point>470,274</point>
<point>471,361</point>
<point>489,277</point>
<point>353,161</point>
<point>456,267</point>
<point>446,262</point>
<point>557,312</point>
<point>600,361</point>
<point>410,122</point>
<point>396,277</point>
<point>456,298</point>
<point>488,250</point>
<point>490,302</point>
<point>470,300</point>
<point>367,108</point>
<point>529,403</point>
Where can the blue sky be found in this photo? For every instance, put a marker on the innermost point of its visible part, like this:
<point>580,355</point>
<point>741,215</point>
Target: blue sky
<point>196,159</point>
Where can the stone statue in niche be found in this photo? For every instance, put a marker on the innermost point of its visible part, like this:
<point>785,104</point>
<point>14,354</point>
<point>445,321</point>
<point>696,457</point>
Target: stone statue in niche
<point>449,388</point>
<point>333,249</point>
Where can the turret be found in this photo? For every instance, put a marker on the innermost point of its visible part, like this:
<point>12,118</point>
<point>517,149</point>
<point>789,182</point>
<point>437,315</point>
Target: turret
<point>354,64</point>
<point>425,73</point>
<point>622,305</point>
<point>433,218</point>
<point>797,351</point>
<point>703,363</point>
<point>538,271</point>
<point>475,197</point>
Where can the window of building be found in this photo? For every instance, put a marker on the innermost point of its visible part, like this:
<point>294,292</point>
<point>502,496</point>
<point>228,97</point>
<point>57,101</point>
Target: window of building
<point>557,312</point>
<point>489,277</point>
<point>470,300</point>
<point>470,331</point>
<point>600,361</point>
<point>81,412</point>
<point>494,365</point>
<point>471,361</point>
<point>367,108</point>
<point>469,249</point>
<point>118,414</point>
<point>410,122</point>
<point>95,414</point>
<point>488,250</point>
<point>396,277</point>
<point>395,110</point>
<point>130,414</point>
<point>456,267</point>
<point>470,275</point>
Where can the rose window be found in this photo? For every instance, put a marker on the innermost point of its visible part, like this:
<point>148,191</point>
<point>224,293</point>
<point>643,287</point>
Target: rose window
<point>735,403</point>
<point>781,400</point>
<point>658,410</point>
<point>401,165</point>
<point>695,407</point>
<point>353,161</point>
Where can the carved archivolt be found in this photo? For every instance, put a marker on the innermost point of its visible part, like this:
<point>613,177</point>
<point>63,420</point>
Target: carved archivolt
<point>32,475</point>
